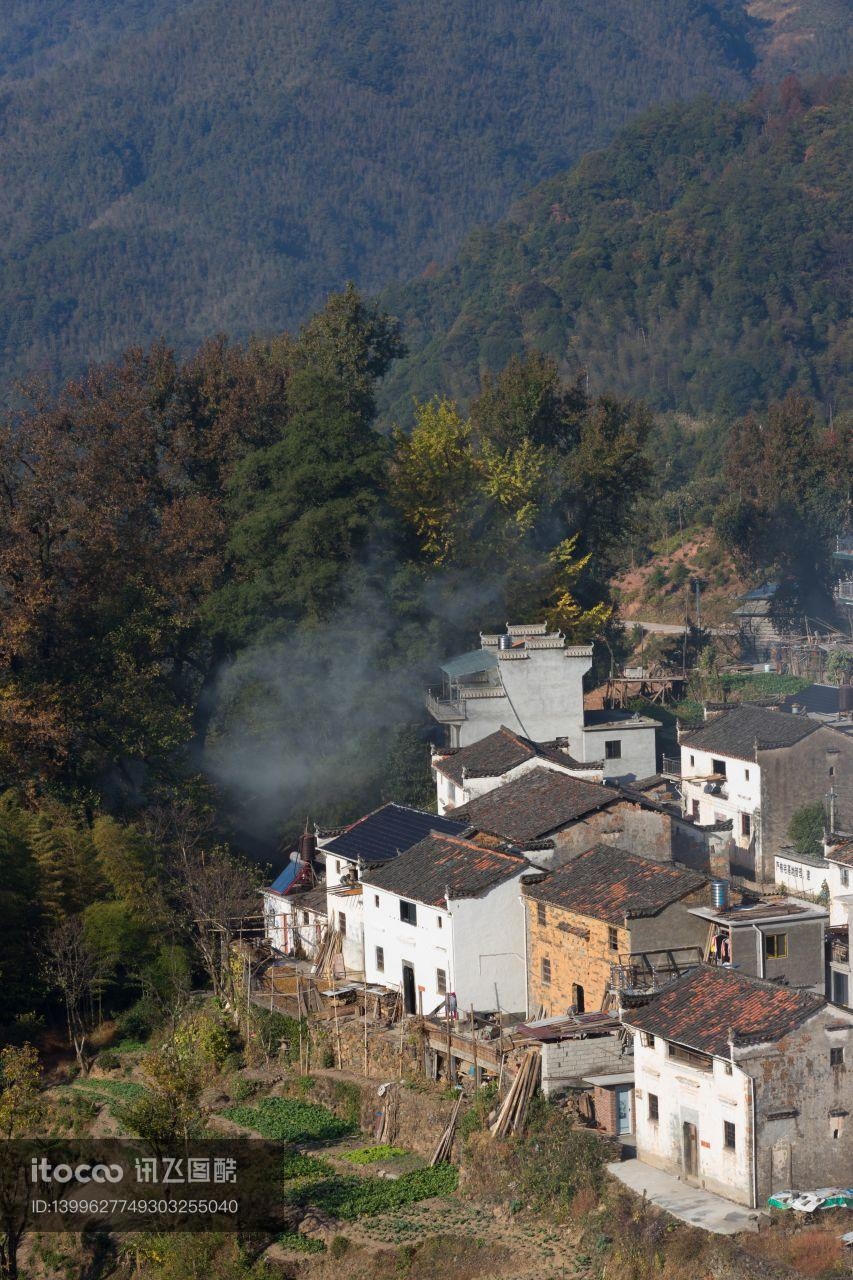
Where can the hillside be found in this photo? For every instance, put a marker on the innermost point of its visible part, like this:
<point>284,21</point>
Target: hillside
<point>180,168</point>
<point>697,262</point>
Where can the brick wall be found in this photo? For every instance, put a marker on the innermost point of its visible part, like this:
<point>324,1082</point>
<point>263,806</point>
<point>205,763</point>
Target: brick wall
<point>579,952</point>
<point>566,1062</point>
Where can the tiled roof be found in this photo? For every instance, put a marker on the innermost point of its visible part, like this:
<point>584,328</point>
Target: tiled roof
<point>818,699</point>
<point>735,732</point>
<point>701,1009</point>
<point>441,863</point>
<point>488,758</point>
<point>496,754</point>
<point>388,832</point>
<point>609,884</point>
<point>842,853</point>
<point>531,806</point>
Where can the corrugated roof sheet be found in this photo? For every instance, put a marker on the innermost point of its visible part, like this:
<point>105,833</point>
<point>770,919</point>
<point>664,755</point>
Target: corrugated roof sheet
<point>607,883</point>
<point>440,863</point>
<point>700,1009</point>
<point>538,802</point>
<point>468,664</point>
<point>735,732</point>
<point>388,832</point>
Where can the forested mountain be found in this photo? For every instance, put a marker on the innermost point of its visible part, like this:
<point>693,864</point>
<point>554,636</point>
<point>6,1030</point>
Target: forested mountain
<point>701,262</point>
<point>198,165</point>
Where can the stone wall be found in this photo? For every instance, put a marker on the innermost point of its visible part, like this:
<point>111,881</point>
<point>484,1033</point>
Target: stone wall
<point>800,775</point>
<point>578,949</point>
<point>566,1062</point>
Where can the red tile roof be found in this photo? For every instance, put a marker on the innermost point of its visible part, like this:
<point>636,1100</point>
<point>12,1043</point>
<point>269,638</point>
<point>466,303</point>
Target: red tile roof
<point>611,884</point>
<point>708,1005</point>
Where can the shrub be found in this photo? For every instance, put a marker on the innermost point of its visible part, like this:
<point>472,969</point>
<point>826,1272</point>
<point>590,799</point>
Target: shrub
<point>557,1160</point>
<point>291,1120</point>
<point>338,1246</point>
<point>270,1030</point>
<point>108,1060</point>
<point>242,1090</point>
<point>806,830</point>
<point>476,1117</point>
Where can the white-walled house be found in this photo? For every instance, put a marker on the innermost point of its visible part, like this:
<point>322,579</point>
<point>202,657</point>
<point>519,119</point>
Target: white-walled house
<point>447,917</point>
<point>802,874</point>
<point>295,903</point>
<point>756,768</point>
<point>466,773</point>
<point>530,681</point>
<point>377,838</point>
<point>839,859</point>
<point>742,1086</point>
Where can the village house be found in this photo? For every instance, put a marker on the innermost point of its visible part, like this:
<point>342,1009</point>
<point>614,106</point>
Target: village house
<point>551,817</point>
<point>781,940</point>
<point>839,861</point>
<point>831,704</point>
<point>743,1086</point>
<point>803,874</point>
<point>755,768</point>
<point>372,841</point>
<point>601,912</point>
<point>295,903</point>
<point>529,680</point>
<point>446,918</point>
<point>465,773</point>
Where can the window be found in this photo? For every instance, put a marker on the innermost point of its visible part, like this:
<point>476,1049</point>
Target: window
<point>541,917</point>
<point>654,1112</point>
<point>832,771</point>
<point>692,761</point>
<point>613,749</point>
<point>441,981</point>
<point>338,865</point>
<point>746,774</point>
<point>727,1067</point>
<point>694,810</point>
<point>305,917</point>
<point>836,1057</point>
<point>647,1040</point>
<point>546,972</point>
<point>578,998</point>
<point>776,946</point>
<point>612,938</point>
<point>845,877</point>
<point>408,912</point>
<point>440,922</point>
<point>728,1135</point>
<point>376,899</point>
<point>380,959</point>
<point>719,767</point>
<point>745,824</point>
<point>342,924</point>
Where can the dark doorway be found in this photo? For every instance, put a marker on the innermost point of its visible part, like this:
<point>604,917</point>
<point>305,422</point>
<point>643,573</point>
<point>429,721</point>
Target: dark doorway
<point>691,1150</point>
<point>578,999</point>
<point>410,995</point>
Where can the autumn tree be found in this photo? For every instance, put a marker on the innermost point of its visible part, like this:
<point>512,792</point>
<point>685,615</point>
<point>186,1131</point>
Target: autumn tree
<point>22,1113</point>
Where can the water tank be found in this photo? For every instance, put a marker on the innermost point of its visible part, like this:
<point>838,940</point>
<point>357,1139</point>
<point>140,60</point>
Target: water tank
<point>505,642</point>
<point>307,847</point>
<point>720,895</point>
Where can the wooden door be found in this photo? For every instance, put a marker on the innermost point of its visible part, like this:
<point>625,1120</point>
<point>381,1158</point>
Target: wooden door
<point>690,1150</point>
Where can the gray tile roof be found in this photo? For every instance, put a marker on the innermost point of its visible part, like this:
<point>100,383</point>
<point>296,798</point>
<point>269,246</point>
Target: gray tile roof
<point>736,732</point>
<point>387,832</point>
<point>441,863</point>
<point>535,804</point>
<point>496,754</point>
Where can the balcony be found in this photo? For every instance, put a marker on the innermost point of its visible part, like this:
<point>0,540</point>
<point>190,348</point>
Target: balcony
<point>843,591</point>
<point>445,710</point>
<point>839,951</point>
<point>671,767</point>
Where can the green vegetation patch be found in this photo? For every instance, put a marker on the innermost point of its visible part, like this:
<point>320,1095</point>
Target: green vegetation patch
<point>372,1155</point>
<point>301,1244</point>
<point>291,1120</point>
<point>298,1165</point>
<point>115,1090</point>
<point>353,1197</point>
<point>762,685</point>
